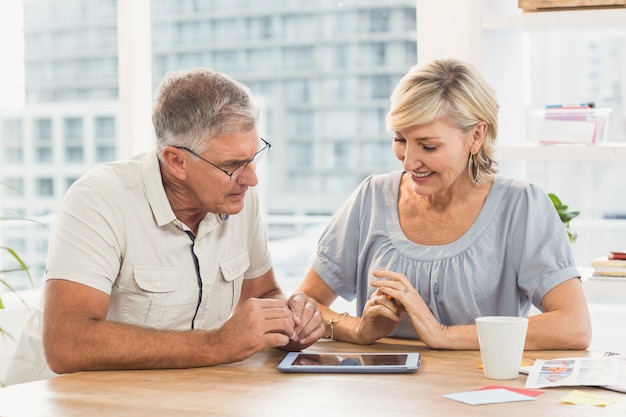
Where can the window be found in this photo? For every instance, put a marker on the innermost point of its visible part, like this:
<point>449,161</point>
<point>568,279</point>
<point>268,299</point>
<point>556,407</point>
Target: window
<point>12,187</point>
<point>301,155</point>
<point>339,123</point>
<point>104,138</point>
<point>12,130</point>
<point>339,155</point>
<point>44,187</point>
<point>12,141</point>
<point>375,53</point>
<point>377,20</point>
<point>73,130</point>
<point>73,137</point>
<point>299,58</point>
<point>104,128</point>
<point>299,27</point>
<point>298,91</point>
<point>381,86</point>
<point>261,28</point>
<point>300,123</point>
<point>69,182</point>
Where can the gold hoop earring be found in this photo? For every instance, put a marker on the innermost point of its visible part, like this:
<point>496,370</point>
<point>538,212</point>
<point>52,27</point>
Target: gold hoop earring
<point>473,169</point>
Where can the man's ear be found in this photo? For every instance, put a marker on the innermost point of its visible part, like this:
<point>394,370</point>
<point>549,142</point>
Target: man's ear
<point>175,162</point>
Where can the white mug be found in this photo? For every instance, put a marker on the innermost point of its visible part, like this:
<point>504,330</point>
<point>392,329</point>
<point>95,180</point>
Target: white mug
<point>501,340</point>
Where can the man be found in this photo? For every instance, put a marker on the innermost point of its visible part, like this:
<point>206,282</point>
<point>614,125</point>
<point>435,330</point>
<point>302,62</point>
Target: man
<point>162,261</point>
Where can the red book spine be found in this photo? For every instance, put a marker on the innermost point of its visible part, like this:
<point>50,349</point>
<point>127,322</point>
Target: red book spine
<point>617,255</point>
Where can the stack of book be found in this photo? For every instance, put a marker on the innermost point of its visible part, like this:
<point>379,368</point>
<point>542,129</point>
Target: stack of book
<point>613,265</point>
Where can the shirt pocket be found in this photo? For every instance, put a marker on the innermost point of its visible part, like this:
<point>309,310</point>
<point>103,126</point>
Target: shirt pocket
<point>232,270</point>
<point>159,299</point>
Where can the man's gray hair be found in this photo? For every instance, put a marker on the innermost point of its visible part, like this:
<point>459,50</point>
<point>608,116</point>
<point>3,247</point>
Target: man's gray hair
<point>192,106</point>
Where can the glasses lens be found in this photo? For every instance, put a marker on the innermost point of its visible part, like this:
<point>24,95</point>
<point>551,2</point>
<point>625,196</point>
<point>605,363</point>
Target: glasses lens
<point>237,171</point>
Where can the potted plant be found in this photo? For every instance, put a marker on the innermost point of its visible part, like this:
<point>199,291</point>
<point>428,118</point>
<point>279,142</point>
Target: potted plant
<point>564,215</point>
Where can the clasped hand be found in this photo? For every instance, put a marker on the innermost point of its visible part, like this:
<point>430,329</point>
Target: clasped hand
<point>261,323</point>
<point>395,296</point>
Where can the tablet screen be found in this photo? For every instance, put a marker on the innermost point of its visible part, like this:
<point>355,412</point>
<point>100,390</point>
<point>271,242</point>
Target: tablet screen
<point>350,362</point>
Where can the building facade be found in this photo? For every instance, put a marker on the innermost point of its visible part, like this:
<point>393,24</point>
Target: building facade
<point>322,70</point>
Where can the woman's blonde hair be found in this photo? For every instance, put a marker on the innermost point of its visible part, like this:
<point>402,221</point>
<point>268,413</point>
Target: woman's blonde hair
<point>452,89</point>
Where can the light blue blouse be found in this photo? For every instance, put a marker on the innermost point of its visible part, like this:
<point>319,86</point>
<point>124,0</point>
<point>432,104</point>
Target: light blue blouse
<point>516,251</point>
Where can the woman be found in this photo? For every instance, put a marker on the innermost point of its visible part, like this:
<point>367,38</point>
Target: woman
<point>428,249</point>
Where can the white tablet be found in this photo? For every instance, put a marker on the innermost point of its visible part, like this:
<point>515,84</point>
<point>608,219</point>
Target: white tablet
<point>351,363</point>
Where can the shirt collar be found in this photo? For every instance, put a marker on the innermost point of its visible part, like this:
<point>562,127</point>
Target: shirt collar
<point>155,194</point>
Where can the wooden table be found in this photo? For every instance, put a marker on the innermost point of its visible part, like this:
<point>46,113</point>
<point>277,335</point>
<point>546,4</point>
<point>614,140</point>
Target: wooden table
<point>255,388</point>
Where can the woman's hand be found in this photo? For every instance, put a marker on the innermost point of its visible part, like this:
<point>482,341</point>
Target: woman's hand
<point>404,295</point>
<point>381,316</point>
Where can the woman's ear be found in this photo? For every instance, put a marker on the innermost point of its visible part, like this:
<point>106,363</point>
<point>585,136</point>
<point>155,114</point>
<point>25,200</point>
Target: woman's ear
<point>480,130</point>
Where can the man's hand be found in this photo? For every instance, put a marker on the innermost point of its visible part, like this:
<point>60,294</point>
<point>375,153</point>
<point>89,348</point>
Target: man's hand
<point>308,321</point>
<point>256,324</point>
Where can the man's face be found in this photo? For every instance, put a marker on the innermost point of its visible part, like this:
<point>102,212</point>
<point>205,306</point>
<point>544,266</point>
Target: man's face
<point>212,188</point>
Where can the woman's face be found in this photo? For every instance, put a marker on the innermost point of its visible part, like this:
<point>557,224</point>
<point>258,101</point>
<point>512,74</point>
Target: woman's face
<point>435,154</point>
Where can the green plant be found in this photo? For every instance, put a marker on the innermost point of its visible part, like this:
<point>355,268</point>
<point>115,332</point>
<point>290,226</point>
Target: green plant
<point>564,215</point>
<point>19,267</point>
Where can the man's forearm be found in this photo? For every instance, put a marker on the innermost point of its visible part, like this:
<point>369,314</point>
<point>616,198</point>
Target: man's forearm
<point>104,345</point>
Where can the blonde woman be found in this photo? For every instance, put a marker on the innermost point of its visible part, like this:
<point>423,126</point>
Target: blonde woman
<point>427,249</point>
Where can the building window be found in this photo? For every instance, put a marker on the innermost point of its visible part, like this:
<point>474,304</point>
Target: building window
<point>376,53</point>
<point>69,182</point>
<point>73,129</point>
<point>73,135</point>
<point>105,134</point>
<point>104,127</point>
<point>261,28</point>
<point>42,133</point>
<point>302,155</point>
<point>12,141</point>
<point>381,87</point>
<point>301,57</point>
<point>378,20</point>
<point>44,187</point>
<point>300,123</point>
<point>12,130</point>
<point>298,91</point>
<point>12,186</point>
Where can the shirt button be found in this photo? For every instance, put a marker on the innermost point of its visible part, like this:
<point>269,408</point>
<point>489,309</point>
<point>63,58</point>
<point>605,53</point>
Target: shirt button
<point>157,284</point>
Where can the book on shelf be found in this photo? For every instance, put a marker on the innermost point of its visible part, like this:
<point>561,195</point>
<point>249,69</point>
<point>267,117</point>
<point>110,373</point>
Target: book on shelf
<point>607,267</point>
<point>617,255</point>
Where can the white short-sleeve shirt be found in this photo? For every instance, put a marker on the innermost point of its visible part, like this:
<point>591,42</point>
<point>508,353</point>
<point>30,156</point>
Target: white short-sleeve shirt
<point>117,233</point>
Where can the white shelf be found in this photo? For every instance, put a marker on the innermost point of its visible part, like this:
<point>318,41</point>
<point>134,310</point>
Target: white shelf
<point>556,19</point>
<point>604,152</point>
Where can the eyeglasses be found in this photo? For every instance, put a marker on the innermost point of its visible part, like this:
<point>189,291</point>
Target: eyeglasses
<point>238,167</point>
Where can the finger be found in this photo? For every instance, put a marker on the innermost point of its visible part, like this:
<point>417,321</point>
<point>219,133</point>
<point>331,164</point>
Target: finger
<point>274,339</point>
<point>384,274</point>
<point>384,311</point>
<point>313,330</point>
<point>391,289</point>
<point>308,313</point>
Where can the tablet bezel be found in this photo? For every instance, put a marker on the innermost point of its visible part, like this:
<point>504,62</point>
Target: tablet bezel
<point>411,364</point>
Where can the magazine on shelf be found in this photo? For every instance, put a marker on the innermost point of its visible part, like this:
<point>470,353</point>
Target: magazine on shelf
<point>607,372</point>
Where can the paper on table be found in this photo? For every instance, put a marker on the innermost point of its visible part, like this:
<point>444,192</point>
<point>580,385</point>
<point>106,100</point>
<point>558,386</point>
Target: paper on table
<point>488,396</point>
<point>585,398</point>
<point>593,371</point>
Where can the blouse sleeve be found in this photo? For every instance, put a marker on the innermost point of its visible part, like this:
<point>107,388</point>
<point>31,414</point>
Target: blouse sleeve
<point>544,254</point>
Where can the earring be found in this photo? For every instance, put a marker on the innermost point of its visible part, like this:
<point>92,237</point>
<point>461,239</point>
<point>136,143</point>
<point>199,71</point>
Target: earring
<point>473,168</point>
